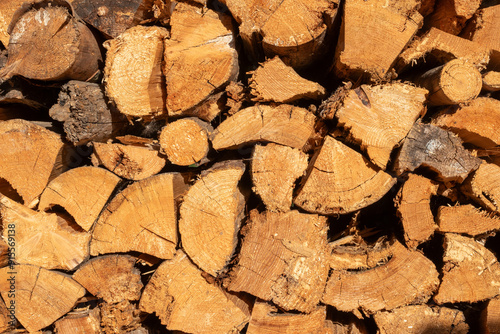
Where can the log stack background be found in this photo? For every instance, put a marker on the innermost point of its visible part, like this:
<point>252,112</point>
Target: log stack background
<point>249,166</point>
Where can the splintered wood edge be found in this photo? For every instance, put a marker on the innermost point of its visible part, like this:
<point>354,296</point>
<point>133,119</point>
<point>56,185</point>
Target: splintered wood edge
<point>466,219</point>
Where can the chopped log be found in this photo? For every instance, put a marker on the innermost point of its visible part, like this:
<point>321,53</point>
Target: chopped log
<point>283,259</point>
<point>45,240</point>
<point>40,296</point>
<point>142,218</point>
<point>466,219</point>
<point>340,180</point>
<point>372,55</point>
<point>185,141</point>
<point>82,192</point>
<point>128,161</point>
<point>200,58</point>
<point>122,317</point>
<point>80,321</point>
<point>185,301</point>
<point>490,317</point>
<point>358,256</point>
<point>415,277</point>
<point>275,168</point>
<point>283,124</point>
<point>455,82</point>
<point>414,209</point>
<point>211,214</point>
<point>86,115</point>
<point>275,81</point>
<point>484,186</point>
<point>471,272</point>
<point>418,319</point>
<point>451,15</point>
<point>491,81</point>
<point>133,75</point>
<point>439,150</point>
<point>7,10</point>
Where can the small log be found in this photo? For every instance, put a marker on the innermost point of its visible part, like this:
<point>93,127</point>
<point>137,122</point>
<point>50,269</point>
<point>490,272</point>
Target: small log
<point>469,266</point>
<point>122,317</point>
<point>490,317</point>
<point>358,256</point>
<point>340,180</point>
<point>80,321</point>
<point>211,214</point>
<point>455,82</point>
<point>284,124</point>
<point>133,75</point>
<point>7,10</point>
<point>283,259</point>
<point>418,319</point>
<point>370,291</point>
<point>40,296</point>
<point>275,168</point>
<point>451,15</point>
<point>466,219</point>
<point>484,187</point>
<point>142,218</point>
<point>491,81</point>
<point>185,301</point>
<point>414,209</point>
<point>439,150</point>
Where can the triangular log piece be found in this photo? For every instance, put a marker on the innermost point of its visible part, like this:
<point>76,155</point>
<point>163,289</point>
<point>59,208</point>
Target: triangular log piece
<point>407,278</point>
<point>122,317</point>
<point>484,186</point>
<point>471,272</point>
<point>210,216</point>
<point>348,256</point>
<point>452,15</point>
<point>340,180</point>
<point>283,259</point>
<point>491,81</point>
<point>490,317</point>
<point>466,219</point>
<point>283,124</point>
<point>85,321</point>
<point>82,192</point>
<point>184,301</point>
<point>40,296</point>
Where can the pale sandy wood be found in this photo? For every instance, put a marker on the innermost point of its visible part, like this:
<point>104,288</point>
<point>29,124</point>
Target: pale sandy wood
<point>82,192</point>
<point>128,161</point>
<point>82,321</point>
<point>185,301</point>
<point>210,216</point>
<point>200,58</point>
<point>466,219</point>
<point>484,186</point>
<point>283,259</point>
<point>340,180</point>
<point>414,209</point>
<point>7,10</point>
<point>407,278</point>
<point>283,124</point>
<point>452,15</point>
<point>41,239</point>
<point>41,296</point>
<point>142,218</point>
<point>436,149</point>
<point>418,319</point>
<point>274,169</point>
<point>491,81</point>
<point>490,317</point>
<point>274,81</point>
<point>346,256</point>
<point>471,272</point>
<point>133,77</point>
<point>122,317</point>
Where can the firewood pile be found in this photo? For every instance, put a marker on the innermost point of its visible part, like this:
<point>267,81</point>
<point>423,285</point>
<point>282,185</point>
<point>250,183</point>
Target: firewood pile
<point>244,166</point>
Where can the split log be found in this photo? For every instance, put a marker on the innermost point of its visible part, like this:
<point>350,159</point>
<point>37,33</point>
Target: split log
<point>275,81</point>
<point>340,180</point>
<point>471,272</point>
<point>283,259</point>
<point>490,317</point>
<point>415,277</point>
<point>359,256</point>
<point>40,296</point>
<point>455,82</point>
<point>491,81</point>
<point>284,124</point>
<point>82,192</point>
<point>79,321</point>
<point>7,10</point>
<point>142,218</point>
<point>275,168</point>
<point>414,209</point>
<point>122,317</point>
<point>185,301</point>
<point>451,15</point>
<point>133,75</point>
<point>211,214</point>
<point>484,186</point>
<point>466,219</point>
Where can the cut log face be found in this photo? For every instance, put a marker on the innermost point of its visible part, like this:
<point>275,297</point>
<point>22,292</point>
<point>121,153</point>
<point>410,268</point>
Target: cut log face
<point>142,218</point>
<point>341,180</point>
<point>283,259</point>
<point>421,319</point>
<point>284,124</point>
<point>484,186</point>
<point>415,277</point>
<point>200,57</point>
<point>133,76</point>
<point>491,81</point>
<point>185,301</point>
<point>41,239</point>
<point>82,192</point>
<point>451,15</point>
<point>211,214</point>
<point>490,317</point>
<point>348,257</point>
<point>466,219</point>
<point>82,321</point>
<point>469,266</point>
<point>41,296</point>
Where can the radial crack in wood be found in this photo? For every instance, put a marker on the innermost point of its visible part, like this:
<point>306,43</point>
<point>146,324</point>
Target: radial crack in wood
<point>466,219</point>
<point>484,186</point>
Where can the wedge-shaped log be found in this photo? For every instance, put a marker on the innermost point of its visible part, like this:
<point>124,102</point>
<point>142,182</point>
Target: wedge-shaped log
<point>466,219</point>
<point>484,186</point>
<point>80,321</point>
<point>341,180</point>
